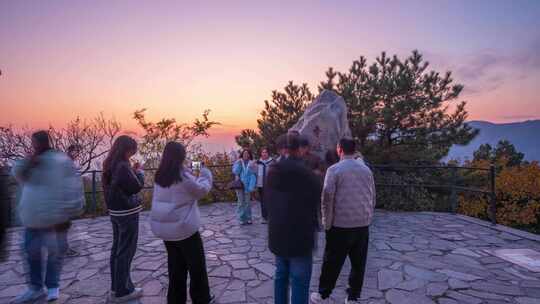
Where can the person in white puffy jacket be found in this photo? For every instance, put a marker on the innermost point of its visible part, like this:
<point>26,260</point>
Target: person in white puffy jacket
<point>52,194</point>
<point>175,219</point>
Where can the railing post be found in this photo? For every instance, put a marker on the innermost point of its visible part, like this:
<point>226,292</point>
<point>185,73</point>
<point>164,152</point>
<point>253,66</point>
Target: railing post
<point>94,198</point>
<point>6,199</point>
<point>453,192</point>
<point>493,195</point>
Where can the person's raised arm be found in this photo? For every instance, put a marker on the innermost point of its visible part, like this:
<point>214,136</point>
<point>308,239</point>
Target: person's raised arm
<point>199,186</point>
<point>237,169</point>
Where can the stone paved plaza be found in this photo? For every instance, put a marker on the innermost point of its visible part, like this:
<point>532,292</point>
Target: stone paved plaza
<point>413,258</point>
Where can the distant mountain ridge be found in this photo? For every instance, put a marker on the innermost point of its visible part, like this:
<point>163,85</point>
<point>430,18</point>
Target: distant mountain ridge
<point>524,135</point>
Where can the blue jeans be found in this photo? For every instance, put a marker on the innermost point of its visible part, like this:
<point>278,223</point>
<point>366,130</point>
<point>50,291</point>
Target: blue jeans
<point>56,243</point>
<point>125,236</point>
<point>295,272</point>
<point>243,210</point>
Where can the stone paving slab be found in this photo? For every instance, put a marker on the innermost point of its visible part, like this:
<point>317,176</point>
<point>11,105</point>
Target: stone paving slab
<point>413,258</point>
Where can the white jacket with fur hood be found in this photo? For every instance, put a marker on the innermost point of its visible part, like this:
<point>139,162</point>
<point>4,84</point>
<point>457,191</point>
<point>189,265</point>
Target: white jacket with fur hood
<point>175,214</point>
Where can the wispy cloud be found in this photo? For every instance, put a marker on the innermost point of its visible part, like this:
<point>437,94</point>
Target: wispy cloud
<point>519,117</point>
<point>488,70</point>
<point>479,65</point>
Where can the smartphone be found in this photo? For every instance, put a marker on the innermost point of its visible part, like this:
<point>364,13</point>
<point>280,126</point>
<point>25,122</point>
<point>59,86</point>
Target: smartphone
<point>196,165</point>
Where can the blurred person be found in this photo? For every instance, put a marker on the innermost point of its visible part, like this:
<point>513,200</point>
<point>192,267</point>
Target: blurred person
<point>294,192</point>
<point>52,194</point>
<point>330,158</point>
<point>313,161</point>
<point>263,165</point>
<point>175,218</point>
<point>359,156</point>
<point>244,170</point>
<point>73,151</point>
<point>281,145</point>
<point>121,185</point>
<point>348,202</point>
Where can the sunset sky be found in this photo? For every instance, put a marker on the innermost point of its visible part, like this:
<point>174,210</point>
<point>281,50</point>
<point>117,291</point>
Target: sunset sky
<point>62,59</point>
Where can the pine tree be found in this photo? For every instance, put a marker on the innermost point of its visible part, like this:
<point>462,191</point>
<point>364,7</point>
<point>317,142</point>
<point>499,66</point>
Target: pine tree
<point>504,154</point>
<point>279,115</point>
<point>399,112</point>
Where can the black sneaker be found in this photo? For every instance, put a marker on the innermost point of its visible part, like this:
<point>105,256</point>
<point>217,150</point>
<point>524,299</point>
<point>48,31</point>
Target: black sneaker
<point>71,253</point>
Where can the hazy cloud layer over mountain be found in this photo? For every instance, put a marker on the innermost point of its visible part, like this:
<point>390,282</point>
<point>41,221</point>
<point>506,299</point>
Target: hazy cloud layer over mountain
<point>524,135</point>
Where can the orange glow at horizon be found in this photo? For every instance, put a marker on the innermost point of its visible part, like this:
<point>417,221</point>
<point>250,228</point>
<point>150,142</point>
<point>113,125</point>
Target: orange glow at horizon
<point>64,59</point>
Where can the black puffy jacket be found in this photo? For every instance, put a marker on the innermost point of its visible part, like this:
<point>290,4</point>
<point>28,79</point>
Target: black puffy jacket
<point>293,194</point>
<point>121,193</point>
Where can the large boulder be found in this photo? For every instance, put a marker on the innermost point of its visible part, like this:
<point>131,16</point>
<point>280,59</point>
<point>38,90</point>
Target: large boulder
<point>324,122</point>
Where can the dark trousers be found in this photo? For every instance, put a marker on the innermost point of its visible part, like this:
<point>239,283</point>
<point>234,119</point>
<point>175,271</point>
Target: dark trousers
<point>264,212</point>
<point>340,243</point>
<point>183,257</point>
<point>54,240</point>
<point>125,235</point>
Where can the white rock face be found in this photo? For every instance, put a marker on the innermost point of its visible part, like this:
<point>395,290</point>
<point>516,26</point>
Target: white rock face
<point>324,122</point>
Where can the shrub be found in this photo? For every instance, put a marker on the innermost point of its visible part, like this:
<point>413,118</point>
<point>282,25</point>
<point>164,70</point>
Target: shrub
<point>391,195</point>
<point>518,198</point>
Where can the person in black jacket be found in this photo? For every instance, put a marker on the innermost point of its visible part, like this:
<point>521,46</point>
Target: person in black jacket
<point>121,184</point>
<point>294,192</point>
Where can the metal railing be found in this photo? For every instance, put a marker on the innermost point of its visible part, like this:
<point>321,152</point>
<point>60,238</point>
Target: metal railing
<point>452,186</point>
<point>94,189</point>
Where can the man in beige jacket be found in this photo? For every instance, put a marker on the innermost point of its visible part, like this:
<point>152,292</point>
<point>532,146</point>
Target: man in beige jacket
<point>348,201</point>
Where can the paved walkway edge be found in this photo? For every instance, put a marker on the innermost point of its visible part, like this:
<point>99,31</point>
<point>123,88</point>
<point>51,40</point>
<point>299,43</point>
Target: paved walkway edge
<point>502,228</point>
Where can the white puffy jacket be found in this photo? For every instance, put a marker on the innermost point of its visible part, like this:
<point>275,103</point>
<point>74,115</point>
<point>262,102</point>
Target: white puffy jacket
<point>53,192</point>
<point>175,215</point>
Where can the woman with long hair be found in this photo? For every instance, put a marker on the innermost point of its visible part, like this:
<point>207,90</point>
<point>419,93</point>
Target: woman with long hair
<point>52,194</point>
<point>175,219</point>
<point>121,184</point>
<point>245,170</point>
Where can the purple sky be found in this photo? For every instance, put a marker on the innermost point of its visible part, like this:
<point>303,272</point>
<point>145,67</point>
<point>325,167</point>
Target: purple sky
<point>60,59</point>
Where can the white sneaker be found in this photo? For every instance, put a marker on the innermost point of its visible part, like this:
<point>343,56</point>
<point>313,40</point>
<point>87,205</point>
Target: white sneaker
<point>316,298</point>
<point>29,296</point>
<point>137,293</point>
<point>53,294</point>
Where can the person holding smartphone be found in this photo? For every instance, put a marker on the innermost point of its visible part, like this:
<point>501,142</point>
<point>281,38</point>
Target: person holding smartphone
<point>175,218</point>
<point>122,184</point>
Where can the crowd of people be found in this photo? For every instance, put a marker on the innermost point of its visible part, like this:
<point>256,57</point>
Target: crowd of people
<point>300,195</point>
